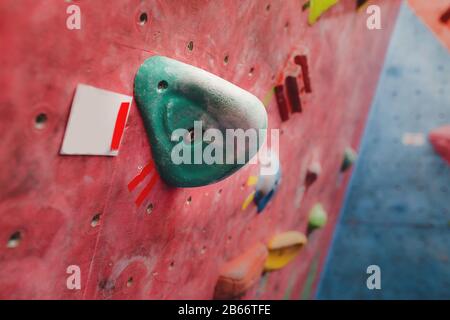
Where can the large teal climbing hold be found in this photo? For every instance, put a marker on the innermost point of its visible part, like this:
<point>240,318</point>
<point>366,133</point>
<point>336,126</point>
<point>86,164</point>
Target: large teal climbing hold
<point>179,104</point>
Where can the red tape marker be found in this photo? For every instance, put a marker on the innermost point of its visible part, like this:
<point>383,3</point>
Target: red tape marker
<point>144,193</point>
<point>119,126</point>
<point>140,177</point>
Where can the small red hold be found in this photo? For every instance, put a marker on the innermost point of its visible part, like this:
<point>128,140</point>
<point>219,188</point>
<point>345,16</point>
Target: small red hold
<point>312,174</point>
<point>283,107</point>
<point>302,61</point>
<point>440,139</point>
<point>445,18</point>
<point>293,94</point>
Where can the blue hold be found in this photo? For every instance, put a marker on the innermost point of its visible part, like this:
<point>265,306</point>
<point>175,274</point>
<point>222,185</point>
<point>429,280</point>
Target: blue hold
<point>261,200</point>
<point>267,182</point>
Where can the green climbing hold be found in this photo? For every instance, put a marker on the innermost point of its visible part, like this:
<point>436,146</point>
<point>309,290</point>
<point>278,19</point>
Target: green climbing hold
<point>350,157</point>
<point>190,115</point>
<point>319,7</point>
<point>317,217</point>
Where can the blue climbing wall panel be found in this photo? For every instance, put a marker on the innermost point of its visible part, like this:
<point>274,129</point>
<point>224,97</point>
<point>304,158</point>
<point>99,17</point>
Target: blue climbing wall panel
<point>397,209</point>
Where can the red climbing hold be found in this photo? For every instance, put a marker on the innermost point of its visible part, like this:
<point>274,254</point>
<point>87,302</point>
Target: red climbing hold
<point>440,139</point>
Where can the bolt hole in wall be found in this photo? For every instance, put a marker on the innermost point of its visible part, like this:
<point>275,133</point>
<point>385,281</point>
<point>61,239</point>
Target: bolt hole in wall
<point>190,45</point>
<point>95,220</point>
<point>40,121</point>
<point>189,200</point>
<point>162,85</point>
<point>150,208</point>
<point>14,240</point>
<point>225,59</point>
<point>251,71</point>
<point>143,18</point>
<point>130,282</point>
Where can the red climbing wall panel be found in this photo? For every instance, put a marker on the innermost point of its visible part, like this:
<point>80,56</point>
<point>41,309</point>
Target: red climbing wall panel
<point>175,249</point>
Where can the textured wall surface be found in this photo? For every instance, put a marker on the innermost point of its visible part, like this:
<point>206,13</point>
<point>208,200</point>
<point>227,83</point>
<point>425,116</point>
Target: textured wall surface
<point>172,245</point>
<point>397,210</point>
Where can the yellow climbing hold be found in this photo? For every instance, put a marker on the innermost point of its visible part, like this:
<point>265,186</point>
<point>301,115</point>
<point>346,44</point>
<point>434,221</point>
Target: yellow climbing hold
<point>252,180</point>
<point>248,200</point>
<point>268,97</point>
<point>283,248</point>
<point>318,7</point>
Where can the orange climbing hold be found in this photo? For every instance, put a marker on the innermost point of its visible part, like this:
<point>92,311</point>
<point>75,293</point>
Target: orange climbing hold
<point>241,273</point>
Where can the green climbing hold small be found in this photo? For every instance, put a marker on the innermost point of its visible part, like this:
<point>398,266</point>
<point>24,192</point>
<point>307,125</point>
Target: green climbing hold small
<point>187,113</point>
<point>317,217</point>
<point>319,7</point>
<point>350,157</point>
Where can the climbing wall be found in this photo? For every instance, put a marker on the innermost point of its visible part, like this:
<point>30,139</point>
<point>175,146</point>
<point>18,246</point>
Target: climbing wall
<point>397,209</point>
<point>131,235</point>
